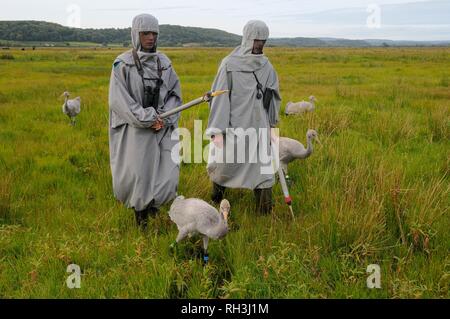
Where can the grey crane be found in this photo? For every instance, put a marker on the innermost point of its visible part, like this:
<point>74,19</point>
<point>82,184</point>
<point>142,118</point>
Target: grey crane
<point>291,149</point>
<point>300,107</point>
<point>71,107</point>
<point>195,216</point>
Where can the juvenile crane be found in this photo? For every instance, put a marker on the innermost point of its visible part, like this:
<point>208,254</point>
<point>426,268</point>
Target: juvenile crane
<point>300,107</point>
<point>195,216</point>
<point>291,149</point>
<point>71,107</point>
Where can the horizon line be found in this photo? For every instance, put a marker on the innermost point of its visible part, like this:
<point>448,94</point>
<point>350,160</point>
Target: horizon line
<point>275,37</point>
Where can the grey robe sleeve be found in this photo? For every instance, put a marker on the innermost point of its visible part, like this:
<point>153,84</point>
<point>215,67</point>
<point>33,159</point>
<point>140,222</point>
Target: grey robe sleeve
<point>124,105</point>
<point>173,98</point>
<point>274,108</point>
<point>219,116</point>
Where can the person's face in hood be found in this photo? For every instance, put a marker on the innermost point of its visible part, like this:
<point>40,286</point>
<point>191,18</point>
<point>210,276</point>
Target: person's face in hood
<point>258,46</point>
<point>146,24</point>
<point>148,40</point>
<point>254,37</point>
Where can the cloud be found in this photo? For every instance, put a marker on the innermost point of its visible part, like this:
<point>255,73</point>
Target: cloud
<point>144,9</point>
<point>413,13</point>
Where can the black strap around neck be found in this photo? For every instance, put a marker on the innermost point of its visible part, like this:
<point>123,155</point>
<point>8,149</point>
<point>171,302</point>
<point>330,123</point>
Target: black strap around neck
<point>138,63</point>
<point>140,68</point>
<point>259,86</point>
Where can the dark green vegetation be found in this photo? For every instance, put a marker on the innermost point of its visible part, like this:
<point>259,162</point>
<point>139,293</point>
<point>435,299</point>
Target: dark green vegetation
<point>377,192</point>
<point>40,33</point>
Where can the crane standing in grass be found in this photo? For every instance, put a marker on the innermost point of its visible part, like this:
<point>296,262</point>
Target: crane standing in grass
<point>71,107</point>
<point>195,216</point>
<point>301,107</point>
<point>291,149</point>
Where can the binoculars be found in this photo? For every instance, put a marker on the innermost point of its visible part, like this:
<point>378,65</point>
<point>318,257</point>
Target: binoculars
<point>151,97</point>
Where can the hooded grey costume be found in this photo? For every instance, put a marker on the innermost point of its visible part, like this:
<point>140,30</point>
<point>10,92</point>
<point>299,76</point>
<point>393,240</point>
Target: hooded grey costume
<point>243,108</point>
<point>143,172</point>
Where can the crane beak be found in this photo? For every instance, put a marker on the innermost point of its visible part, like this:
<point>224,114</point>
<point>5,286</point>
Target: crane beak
<point>225,215</point>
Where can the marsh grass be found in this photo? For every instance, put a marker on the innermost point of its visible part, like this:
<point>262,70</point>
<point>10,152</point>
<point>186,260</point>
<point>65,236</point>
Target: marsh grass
<point>377,191</point>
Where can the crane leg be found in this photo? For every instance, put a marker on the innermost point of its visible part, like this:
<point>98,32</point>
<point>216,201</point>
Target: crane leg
<point>183,233</point>
<point>205,249</point>
<point>173,248</point>
<point>284,167</point>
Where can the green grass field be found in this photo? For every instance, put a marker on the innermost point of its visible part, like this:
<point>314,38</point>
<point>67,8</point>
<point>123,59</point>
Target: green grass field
<point>376,192</point>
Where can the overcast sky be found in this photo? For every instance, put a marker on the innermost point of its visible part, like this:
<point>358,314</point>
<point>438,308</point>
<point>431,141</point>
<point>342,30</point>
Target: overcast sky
<point>353,19</point>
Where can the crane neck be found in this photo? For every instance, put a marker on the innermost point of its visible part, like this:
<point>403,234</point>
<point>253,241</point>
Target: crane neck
<point>220,228</point>
<point>65,101</point>
<point>309,145</point>
<point>223,221</point>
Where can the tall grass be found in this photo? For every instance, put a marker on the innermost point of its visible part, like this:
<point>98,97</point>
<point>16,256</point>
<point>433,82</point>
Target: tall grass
<point>375,192</point>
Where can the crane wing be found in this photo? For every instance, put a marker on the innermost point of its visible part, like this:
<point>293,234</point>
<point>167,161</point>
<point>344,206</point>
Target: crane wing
<point>186,211</point>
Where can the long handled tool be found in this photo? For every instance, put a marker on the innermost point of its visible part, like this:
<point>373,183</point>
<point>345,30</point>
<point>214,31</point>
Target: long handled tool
<point>284,186</point>
<point>205,98</point>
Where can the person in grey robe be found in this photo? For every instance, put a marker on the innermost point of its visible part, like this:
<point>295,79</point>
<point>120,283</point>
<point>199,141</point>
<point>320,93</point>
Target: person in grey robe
<point>144,173</point>
<point>252,105</point>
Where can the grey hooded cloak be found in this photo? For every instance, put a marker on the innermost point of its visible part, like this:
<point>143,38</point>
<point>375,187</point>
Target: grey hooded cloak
<point>242,109</point>
<point>143,171</point>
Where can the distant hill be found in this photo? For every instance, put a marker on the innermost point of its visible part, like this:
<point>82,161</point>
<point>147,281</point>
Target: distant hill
<point>406,43</point>
<point>171,35</point>
<point>317,42</point>
<point>41,33</point>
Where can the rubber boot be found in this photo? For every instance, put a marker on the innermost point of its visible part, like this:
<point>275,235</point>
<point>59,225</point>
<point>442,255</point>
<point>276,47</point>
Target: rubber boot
<point>263,200</point>
<point>141,218</point>
<point>217,193</point>
<point>153,211</point>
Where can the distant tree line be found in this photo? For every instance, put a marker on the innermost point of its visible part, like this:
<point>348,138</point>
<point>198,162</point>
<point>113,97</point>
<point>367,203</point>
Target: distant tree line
<point>169,35</point>
<point>44,31</point>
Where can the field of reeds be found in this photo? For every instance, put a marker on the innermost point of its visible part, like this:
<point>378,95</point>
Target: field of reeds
<point>376,192</point>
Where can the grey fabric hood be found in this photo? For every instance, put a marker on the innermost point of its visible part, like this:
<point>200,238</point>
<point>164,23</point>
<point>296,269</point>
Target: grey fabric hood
<point>253,30</point>
<point>242,59</point>
<point>142,23</point>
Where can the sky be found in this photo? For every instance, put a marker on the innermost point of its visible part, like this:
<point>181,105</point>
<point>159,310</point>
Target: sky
<point>351,19</point>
